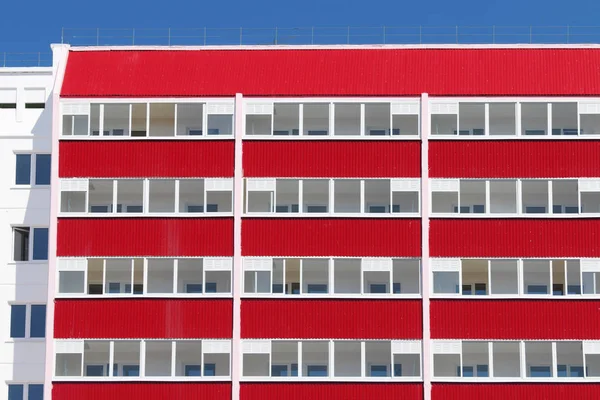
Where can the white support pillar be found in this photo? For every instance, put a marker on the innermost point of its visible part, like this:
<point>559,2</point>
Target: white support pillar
<point>60,54</point>
<point>425,270</point>
<point>236,349</point>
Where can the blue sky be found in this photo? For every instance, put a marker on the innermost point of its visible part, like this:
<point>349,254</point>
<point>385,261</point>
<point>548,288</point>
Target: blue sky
<point>32,26</point>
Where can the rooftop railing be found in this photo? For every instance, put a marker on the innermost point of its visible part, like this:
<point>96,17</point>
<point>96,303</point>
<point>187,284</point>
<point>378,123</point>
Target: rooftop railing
<point>334,35</point>
<point>38,59</point>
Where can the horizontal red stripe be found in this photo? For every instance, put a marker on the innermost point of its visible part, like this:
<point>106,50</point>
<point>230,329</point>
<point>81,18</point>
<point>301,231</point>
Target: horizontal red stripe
<point>333,319</point>
<point>145,158</point>
<point>96,237</point>
<point>515,319</point>
<point>505,391</point>
<point>333,72</point>
<point>142,318</point>
<point>333,159</point>
<point>514,158</point>
<point>524,237</point>
<point>141,391</point>
<point>331,391</point>
<point>320,237</point>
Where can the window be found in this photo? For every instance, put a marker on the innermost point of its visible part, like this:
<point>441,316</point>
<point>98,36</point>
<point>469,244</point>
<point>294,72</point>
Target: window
<point>42,169</point>
<point>15,392</point>
<point>540,372</point>
<point>17,321</point>
<point>38,321</point>
<point>378,370</point>
<point>22,247</point>
<point>94,370</point>
<point>36,392</point>
<point>27,164</point>
<point>21,244</point>
<point>23,171</point>
<point>316,370</point>
<point>40,243</point>
<point>209,369</point>
<point>27,316</point>
<point>192,370</point>
<point>279,370</point>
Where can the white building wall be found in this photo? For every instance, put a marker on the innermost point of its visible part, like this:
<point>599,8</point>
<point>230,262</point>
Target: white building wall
<point>22,131</point>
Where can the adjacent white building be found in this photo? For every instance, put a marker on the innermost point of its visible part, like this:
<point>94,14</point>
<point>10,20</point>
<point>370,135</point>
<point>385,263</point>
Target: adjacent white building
<point>25,147</point>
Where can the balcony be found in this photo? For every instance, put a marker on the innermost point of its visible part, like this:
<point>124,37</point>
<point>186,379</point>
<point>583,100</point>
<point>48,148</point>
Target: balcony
<point>155,197</point>
<point>324,360</point>
<point>121,121</point>
<point>459,361</point>
<point>145,360</point>
<point>332,197</point>
<point>323,120</point>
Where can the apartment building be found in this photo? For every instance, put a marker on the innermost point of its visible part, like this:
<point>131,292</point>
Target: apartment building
<point>308,222</point>
<point>25,147</point>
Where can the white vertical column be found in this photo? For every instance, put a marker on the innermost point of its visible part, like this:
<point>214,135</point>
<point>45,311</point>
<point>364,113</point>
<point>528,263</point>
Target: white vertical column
<point>142,358</point>
<point>237,249</point>
<point>425,273</point>
<point>59,61</point>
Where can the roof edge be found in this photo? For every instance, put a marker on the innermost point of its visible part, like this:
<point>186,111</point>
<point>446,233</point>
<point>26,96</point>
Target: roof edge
<point>338,47</point>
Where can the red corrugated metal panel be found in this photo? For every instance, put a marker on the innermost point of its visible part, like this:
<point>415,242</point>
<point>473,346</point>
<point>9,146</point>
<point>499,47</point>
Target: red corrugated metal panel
<point>142,318</point>
<point>516,391</point>
<point>331,391</point>
<point>515,319</point>
<point>96,237</point>
<point>514,158</point>
<point>321,237</point>
<point>141,390</point>
<point>333,319</point>
<point>333,72</point>
<point>145,158</point>
<point>514,237</point>
<point>319,158</point>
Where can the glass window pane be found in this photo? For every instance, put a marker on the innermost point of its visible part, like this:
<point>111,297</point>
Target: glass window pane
<point>15,392</point>
<point>38,321</point>
<point>36,392</point>
<point>42,169</point>
<point>71,282</point>
<point>503,119</point>
<point>23,172</point>
<point>443,124</point>
<point>40,243</point>
<point>471,118</point>
<point>347,119</point>
<point>286,119</point>
<point>316,119</point>
<point>220,124</point>
<point>445,282</point>
<point>377,119</point>
<point>17,321</point>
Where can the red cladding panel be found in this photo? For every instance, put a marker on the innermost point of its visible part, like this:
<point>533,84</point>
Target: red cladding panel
<point>334,319</point>
<point>323,237</point>
<point>140,391</point>
<point>333,72</point>
<point>331,391</point>
<point>145,159</point>
<point>515,319</point>
<point>516,391</point>
<point>114,237</point>
<point>332,159</point>
<point>524,237</point>
<point>514,158</point>
<point>142,318</point>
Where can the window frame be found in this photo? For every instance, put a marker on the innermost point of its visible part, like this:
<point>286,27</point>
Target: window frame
<point>31,258</point>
